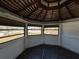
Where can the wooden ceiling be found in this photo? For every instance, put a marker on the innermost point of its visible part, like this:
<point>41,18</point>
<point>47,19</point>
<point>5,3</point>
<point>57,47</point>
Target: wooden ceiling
<point>43,10</point>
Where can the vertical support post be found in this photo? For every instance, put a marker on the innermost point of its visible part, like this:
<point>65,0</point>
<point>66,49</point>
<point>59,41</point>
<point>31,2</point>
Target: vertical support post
<point>26,36</point>
<point>60,26</point>
<point>60,34</point>
<point>42,31</point>
<point>59,10</point>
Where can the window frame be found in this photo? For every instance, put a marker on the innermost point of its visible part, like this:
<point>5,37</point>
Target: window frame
<point>34,29</point>
<point>8,31</point>
<point>51,29</point>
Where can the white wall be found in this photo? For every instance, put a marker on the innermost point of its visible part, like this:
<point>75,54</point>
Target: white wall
<point>35,40</point>
<point>11,50</point>
<point>51,40</point>
<point>70,36</point>
<point>46,39</point>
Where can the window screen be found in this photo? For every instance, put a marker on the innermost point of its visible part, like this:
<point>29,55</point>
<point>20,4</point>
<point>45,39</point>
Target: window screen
<point>51,30</point>
<point>34,30</point>
<point>10,30</point>
<point>9,33</point>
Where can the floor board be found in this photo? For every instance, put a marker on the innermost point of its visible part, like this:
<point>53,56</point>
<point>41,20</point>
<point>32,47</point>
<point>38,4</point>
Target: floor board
<point>48,52</point>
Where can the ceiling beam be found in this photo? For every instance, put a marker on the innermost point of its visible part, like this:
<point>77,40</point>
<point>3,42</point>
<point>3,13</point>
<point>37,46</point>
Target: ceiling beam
<point>59,11</point>
<point>26,6</point>
<point>70,11</point>
<point>44,17</point>
<point>32,12</point>
<point>5,4</point>
<point>39,14</point>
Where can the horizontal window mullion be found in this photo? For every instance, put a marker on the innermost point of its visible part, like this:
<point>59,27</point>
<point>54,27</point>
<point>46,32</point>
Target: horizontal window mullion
<point>34,29</point>
<point>11,29</point>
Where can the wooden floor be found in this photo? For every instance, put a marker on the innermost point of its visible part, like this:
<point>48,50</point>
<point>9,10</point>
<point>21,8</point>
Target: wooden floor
<point>48,52</point>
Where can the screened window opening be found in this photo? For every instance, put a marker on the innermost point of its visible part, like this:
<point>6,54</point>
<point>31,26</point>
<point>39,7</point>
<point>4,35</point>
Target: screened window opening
<point>10,30</point>
<point>51,30</point>
<point>8,33</point>
<point>34,30</point>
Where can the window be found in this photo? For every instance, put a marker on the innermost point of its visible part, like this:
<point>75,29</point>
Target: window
<point>34,30</point>
<point>10,31</point>
<point>51,30</point>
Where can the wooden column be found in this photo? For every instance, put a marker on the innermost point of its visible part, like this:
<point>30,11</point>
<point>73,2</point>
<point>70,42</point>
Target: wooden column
<point>26,41</point>
<point>42,31</point>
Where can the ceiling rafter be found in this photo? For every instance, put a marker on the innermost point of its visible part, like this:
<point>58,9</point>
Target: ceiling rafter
<point>44,17</point>
<point>14,4</point>
<point>7,5</point>
<point>22,2</point>
<point>70,11</point>
<point>18,3</point>
<point>36,13</point>
<point>39,14</point>
<point>55,15</point>
<point>30,9</point>
<point>26,6</point>
<point>59,11</point>
<point>32,12</point>
<point>52,15</point>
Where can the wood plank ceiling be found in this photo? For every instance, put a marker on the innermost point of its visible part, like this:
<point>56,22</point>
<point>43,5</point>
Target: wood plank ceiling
<point>43,10</point>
